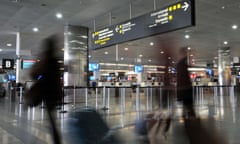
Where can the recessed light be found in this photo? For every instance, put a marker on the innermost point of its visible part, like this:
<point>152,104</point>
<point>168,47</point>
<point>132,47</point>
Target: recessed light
<point>151,43</point>
<point>126,49</point>
<point>191,55</point>
<point>169,57</point>
<point>223,7</point>
<point>162,52</point>
<point>140,55</point>
<point>9,44</point>
<point>59,15</point>
<point>122,58</point>
<point>215,57</point>
<point>84,36</point>
<point>105,52</point>
<point>89,56</point>
<point>149,60</point>
<point>225,42</point>
<point>234,26</point>
<point>187,36</point>
<point>189,48</point>
<point>35,29</point>
<point>1,50</point>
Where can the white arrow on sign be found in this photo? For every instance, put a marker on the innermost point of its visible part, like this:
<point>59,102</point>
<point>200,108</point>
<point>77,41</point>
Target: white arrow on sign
<point>117,29</point>
<point>185,6</point>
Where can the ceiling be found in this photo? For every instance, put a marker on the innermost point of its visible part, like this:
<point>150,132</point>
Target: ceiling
<point>214,20</point>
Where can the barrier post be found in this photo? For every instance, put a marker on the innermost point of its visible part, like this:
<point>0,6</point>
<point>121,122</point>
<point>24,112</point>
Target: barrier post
<point>147,99</point>
<point>21,95</point>
<point>160,97</point>
<point>124,102</point>
<point>151,98</point>
<point>74,95</point>
<point>108,104</point>
<point>96,92</point>
<point>86,97</point>
<point>137,99</point>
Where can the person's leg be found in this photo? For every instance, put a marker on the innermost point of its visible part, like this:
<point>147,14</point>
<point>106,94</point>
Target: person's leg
<point>56,136</point>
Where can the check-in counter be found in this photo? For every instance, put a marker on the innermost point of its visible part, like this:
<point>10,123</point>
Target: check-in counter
<point>123,84</point>
<point>212,84</point>
<point>108,84</point>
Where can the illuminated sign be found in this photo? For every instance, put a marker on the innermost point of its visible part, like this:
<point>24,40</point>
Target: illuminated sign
<point>172,17</point>
<point>8,63</point>
<point>27,64</point>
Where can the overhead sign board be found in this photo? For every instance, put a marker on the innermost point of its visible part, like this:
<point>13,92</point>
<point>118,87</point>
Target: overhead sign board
<point>176,16</point>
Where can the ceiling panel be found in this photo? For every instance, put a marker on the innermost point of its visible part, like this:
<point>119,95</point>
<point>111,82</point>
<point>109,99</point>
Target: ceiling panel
<point>213,26</point>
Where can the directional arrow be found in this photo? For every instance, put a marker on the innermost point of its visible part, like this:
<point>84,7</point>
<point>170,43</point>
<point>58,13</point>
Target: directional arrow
<point>185,6</point>
<point>117,29</point>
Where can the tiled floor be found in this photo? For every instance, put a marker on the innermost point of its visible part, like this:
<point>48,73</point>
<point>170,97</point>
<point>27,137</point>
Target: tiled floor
<point>19,125</point>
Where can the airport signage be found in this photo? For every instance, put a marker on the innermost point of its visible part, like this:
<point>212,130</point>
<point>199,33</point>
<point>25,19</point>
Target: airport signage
<point>8,63</point>
<point>173,17</point>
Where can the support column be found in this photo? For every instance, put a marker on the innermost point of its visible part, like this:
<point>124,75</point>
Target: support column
<point>75,55</point>
<point>224,70</point>
<point>18,61</point>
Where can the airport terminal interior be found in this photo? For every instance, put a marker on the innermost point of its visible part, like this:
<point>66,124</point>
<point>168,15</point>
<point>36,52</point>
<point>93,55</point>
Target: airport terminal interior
<point>119,71</point>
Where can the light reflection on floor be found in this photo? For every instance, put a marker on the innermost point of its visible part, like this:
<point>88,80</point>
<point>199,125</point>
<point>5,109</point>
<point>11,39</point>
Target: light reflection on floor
<point>16,121</point>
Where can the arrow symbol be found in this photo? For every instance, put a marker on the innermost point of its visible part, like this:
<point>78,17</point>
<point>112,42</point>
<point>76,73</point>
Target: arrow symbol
<point>185,6</point>
<point>117,29</point>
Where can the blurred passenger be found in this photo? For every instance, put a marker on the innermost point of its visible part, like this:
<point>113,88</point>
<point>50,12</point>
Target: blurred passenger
<point>184,85</point>
<point>47,71</point>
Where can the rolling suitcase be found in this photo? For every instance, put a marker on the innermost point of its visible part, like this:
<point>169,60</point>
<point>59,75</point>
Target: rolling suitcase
<point>88,127</point>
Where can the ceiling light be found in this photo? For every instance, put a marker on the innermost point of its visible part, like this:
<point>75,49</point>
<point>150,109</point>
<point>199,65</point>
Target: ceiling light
<point>105,52</point>
<point>35,29</point>
<point>225,42</point>
<point>169,57</point>
<point>1,50</point>
<point>234,26</point>
<point>189,48</point>
<point>162,52</point>
<point>89,56</point>
<point>215,57</point>
<point>126,49</point>
<point>191,55</point>
<point>149,60</point>
<point>9,44</point>
<point>151,43</point>
<point>59,15</point>
<point>223,7</point>
<point>84,36</point>
<point>122,58</point>
<point>140,55</point>
<point>187,36</point>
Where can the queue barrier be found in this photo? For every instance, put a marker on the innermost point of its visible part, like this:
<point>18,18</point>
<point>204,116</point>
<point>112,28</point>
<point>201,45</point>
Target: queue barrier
<point>103,99</point>
<point>102,95</point>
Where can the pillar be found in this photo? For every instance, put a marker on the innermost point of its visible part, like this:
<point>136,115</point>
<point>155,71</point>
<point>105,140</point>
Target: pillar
<point>224,70</point>
<point>18,61</point>
<point>75,55</point>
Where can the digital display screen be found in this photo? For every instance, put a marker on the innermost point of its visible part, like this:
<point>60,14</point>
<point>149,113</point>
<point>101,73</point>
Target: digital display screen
<point>210,72</point>
<point>91,78</point>
<point>12,77</point>
<point>109,78</point>
<point>138,69</point>
<point>93,67</point>
<point>27,64</point>
<point>173,17</point>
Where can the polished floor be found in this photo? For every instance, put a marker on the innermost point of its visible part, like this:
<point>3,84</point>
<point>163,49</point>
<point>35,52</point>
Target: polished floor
<point>219,113</point>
